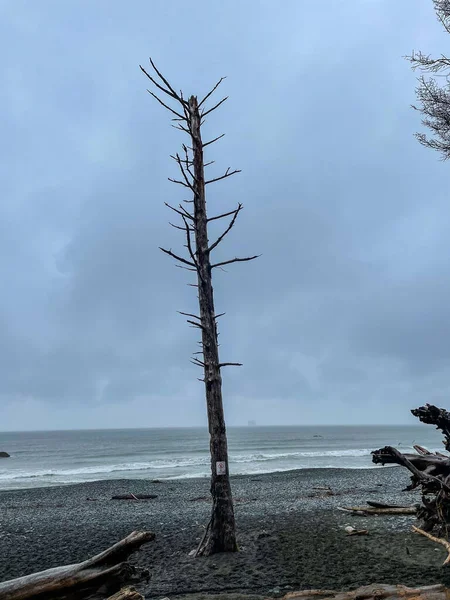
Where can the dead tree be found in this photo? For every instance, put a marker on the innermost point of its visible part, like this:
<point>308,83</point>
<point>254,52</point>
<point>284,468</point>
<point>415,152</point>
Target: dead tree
<point>429,470</point>
<point>434,96</point>
<point>189,116</point>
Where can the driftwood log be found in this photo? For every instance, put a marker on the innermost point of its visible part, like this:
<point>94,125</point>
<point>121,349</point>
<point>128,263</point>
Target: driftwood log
<point>375,592</point>
<point>134,497</point>
<point>365,511</point>
<point>106,570</point>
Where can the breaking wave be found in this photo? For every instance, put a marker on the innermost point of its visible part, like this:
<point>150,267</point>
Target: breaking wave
<point>189,465</point>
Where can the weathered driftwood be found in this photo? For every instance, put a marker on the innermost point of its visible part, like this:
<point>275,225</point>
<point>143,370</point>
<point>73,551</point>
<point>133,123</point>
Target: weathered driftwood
<point>441,541</point>
<point>375,592</point>
<point>429,470</point>
<point>365,511</point>
<point>134,497</point>
<point>128,593</point>
<point>374,504</point>
<point>107,568</point>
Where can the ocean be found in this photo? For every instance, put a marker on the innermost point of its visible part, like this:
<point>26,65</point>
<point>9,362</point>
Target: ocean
<point>42,459</point>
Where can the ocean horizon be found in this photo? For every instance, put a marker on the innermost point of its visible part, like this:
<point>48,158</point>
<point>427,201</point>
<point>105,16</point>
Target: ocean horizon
<point>49,458</point>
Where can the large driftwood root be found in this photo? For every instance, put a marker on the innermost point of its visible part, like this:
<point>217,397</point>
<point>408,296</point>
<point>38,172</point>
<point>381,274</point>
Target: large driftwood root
<point>375,592</point>
<point>109,569</point>
<point>430,471</point>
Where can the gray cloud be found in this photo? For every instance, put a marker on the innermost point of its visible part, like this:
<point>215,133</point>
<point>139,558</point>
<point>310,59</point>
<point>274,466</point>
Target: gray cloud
<point>344,318</point>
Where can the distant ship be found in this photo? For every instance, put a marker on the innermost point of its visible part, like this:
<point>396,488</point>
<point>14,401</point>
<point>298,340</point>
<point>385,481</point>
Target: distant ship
<point>252,423</point>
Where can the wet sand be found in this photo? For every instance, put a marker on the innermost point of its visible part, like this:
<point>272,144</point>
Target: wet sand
<point>291,536</point>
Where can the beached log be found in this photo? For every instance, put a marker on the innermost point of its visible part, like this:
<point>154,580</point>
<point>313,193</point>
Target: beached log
<point>374,504</point>
<point>365,511</point>
<point>375,592</point>
<point>105,569</point>
<point>134,497</point>
<point>128,593</point>
<point>441,541</point>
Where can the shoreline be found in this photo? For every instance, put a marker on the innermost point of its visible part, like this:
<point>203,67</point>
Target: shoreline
<point>291,536</point>
<point>287,472</point>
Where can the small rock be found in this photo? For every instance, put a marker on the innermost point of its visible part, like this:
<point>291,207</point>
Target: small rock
<point>4,455</point>
<point>276,592</point>
<point>192,553</point>
<point>263,534</point>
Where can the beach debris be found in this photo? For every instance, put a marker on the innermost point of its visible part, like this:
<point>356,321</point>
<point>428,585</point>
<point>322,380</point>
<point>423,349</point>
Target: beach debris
<point>90,574</point>
<point>437,540</point>
<point>375,504</point>
<point>134,497</point>
<point>430,471</point>
<point>5,455</point>
<point>364,511</point>
<point>375,591</point>
<point>128,593</point>
<point>321,491</point>
<point>352,531</point>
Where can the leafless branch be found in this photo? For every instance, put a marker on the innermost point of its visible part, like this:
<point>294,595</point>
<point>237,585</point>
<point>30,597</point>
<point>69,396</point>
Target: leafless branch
<point>212,141</point>
<point>181,128</point>
<point>188,315</point>
<point>233,260</point>
<point>185,213</point>
<point>214,107</point>
<point>227,173</point>
<point>220,238</point>
<point>166,83</point>
<point>199,325</point>
<point>211,92</point>
<point>196,361</point>
<point>223,215</point>
<point>189,245</point>
<point>179,258</point>
<point>179,227</point>
<point>220,315</point>
<point>228,364</point>
<point>165,105</point>
<point>167,91</point>
<point>183,170</point>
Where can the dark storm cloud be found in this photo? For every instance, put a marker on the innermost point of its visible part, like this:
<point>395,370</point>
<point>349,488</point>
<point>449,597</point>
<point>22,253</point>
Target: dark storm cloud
<point>346,312</point>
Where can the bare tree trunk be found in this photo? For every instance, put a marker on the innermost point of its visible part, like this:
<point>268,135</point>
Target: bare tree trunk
<point>220,534</point>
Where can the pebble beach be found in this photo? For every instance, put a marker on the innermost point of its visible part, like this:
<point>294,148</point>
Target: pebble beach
<point>291,534</point>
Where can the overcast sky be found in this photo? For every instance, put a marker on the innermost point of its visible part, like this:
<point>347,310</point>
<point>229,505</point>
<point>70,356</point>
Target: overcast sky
<point>346,316</point>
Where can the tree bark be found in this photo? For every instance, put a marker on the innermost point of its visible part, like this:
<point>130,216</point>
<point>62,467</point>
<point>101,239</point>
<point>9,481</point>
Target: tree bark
<point>221,534</point>
<point>88,576</point>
